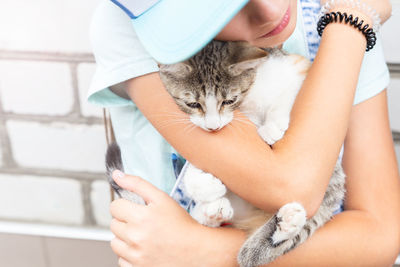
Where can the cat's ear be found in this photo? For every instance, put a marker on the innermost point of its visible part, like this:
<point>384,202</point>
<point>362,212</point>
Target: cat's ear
<point>181,69</point>
<point>244,57</point>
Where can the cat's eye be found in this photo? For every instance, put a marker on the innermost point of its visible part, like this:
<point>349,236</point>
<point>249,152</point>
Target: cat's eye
<point>193,105</point>
<point>229,102</point>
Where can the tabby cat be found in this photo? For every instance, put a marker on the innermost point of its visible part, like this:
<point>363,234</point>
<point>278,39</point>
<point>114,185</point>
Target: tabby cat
<point>263,84</point>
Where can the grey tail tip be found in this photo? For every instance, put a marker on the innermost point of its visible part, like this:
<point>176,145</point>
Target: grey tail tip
<point>113,158</point>
<point>113,162</point>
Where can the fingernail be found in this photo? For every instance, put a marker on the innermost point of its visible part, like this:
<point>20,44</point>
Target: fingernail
<point>117,174</point>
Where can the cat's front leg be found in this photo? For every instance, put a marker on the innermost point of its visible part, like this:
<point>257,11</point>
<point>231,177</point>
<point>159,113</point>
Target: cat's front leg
<point>275,237</point>
<point>272,131</point>
<point>202,186</point>
<point>290,220</point>
<point>208,192</point>
<point>213,213</point>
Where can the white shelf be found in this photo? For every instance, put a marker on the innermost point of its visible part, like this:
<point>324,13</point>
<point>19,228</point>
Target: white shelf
<point>49,230</point>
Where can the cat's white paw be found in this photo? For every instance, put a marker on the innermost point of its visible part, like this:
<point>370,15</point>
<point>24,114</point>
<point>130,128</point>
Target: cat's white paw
<point>202,186</point>
<point>220,209</point>
<point>213,213</point>
<point>291,219</point>
<point>282,123</point>
<point>270,132</point>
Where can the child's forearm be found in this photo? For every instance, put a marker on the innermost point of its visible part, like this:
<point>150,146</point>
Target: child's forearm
<point>321,113</point>
<point>352,238</point>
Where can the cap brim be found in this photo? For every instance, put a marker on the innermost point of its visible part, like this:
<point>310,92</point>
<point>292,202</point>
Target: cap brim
<point>174,30</point>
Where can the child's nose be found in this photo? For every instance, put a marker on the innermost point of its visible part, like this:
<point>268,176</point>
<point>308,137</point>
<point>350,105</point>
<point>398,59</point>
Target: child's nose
<point>267,11</point>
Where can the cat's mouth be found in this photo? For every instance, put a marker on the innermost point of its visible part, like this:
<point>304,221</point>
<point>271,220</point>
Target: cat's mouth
<point>211,130</point>
<point>211,125</point>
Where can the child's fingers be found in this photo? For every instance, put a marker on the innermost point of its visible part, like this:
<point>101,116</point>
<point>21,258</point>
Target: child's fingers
<point>135,184</point>
<point>125,210</point>
<point>121,249</point>
<point>123,232</point>
<point>118,228</point>
<point>124,263</point>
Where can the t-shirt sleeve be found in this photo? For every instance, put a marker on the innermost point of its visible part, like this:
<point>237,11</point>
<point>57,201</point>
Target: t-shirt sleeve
<point>118,53</point>
<point>374,75</point>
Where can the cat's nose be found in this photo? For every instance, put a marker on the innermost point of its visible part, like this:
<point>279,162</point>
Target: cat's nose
<point>212,129</point>
<point>212,125</point>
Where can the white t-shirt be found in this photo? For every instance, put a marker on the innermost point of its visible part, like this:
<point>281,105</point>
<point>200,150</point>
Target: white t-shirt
<point>120,56</point>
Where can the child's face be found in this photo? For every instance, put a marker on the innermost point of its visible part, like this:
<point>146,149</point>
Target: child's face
<point>263,23</point>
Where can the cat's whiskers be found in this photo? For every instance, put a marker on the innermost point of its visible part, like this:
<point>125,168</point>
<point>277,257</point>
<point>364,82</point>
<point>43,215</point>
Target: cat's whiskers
<point>235,129</point>
<point>172,118</point>
<point>242,115</point>
<point>243,121</point>
<point>170,114</point>
<point>238,123</point>
<point>189,128</point>
<point>172,122</point>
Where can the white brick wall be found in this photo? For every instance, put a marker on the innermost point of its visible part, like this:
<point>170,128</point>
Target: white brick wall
<point>32,87</point>
<point>40,199</point>
<point>100,199</point>
<point>45,70</point>
<point>58,145</point>
<point>85,74</point>
<point>47,124</point>
<point>46,25</point>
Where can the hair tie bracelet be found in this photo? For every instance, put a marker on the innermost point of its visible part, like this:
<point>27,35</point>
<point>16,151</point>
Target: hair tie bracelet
<point>348,19</point>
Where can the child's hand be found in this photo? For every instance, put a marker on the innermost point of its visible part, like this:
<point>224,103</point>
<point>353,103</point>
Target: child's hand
<point>160,233</point>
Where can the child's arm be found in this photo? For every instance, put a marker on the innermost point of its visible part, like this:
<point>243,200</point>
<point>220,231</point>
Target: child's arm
<point>367,234</point>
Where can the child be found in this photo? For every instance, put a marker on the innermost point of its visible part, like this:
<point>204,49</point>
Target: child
<point>296,168</point>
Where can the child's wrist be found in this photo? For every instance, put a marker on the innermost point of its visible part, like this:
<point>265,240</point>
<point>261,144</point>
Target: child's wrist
<point>351,20</point>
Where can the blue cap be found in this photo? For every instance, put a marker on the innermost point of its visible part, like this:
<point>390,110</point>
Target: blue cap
<point>174,30</point>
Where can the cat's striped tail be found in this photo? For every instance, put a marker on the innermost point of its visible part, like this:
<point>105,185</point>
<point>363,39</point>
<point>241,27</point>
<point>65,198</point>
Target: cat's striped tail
<point>114,162</point>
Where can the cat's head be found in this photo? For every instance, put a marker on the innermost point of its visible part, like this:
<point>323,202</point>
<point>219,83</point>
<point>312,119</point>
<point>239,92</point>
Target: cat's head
<point>213,83</point>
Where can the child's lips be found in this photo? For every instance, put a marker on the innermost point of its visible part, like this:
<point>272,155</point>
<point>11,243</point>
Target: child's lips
<point>282,25</point>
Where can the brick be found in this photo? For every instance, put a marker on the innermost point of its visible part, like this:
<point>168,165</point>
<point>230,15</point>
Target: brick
<point>394,103</point>
<point>85,74</point>
<point>44,199</point>
<point>100,199</point>
<point>58,145</point>
<point>391,41</point>
<point>46,25</point>
<point>36,87</point>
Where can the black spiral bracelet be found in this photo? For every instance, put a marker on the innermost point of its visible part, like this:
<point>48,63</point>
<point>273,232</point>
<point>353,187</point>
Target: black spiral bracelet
<point>348,19</point>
